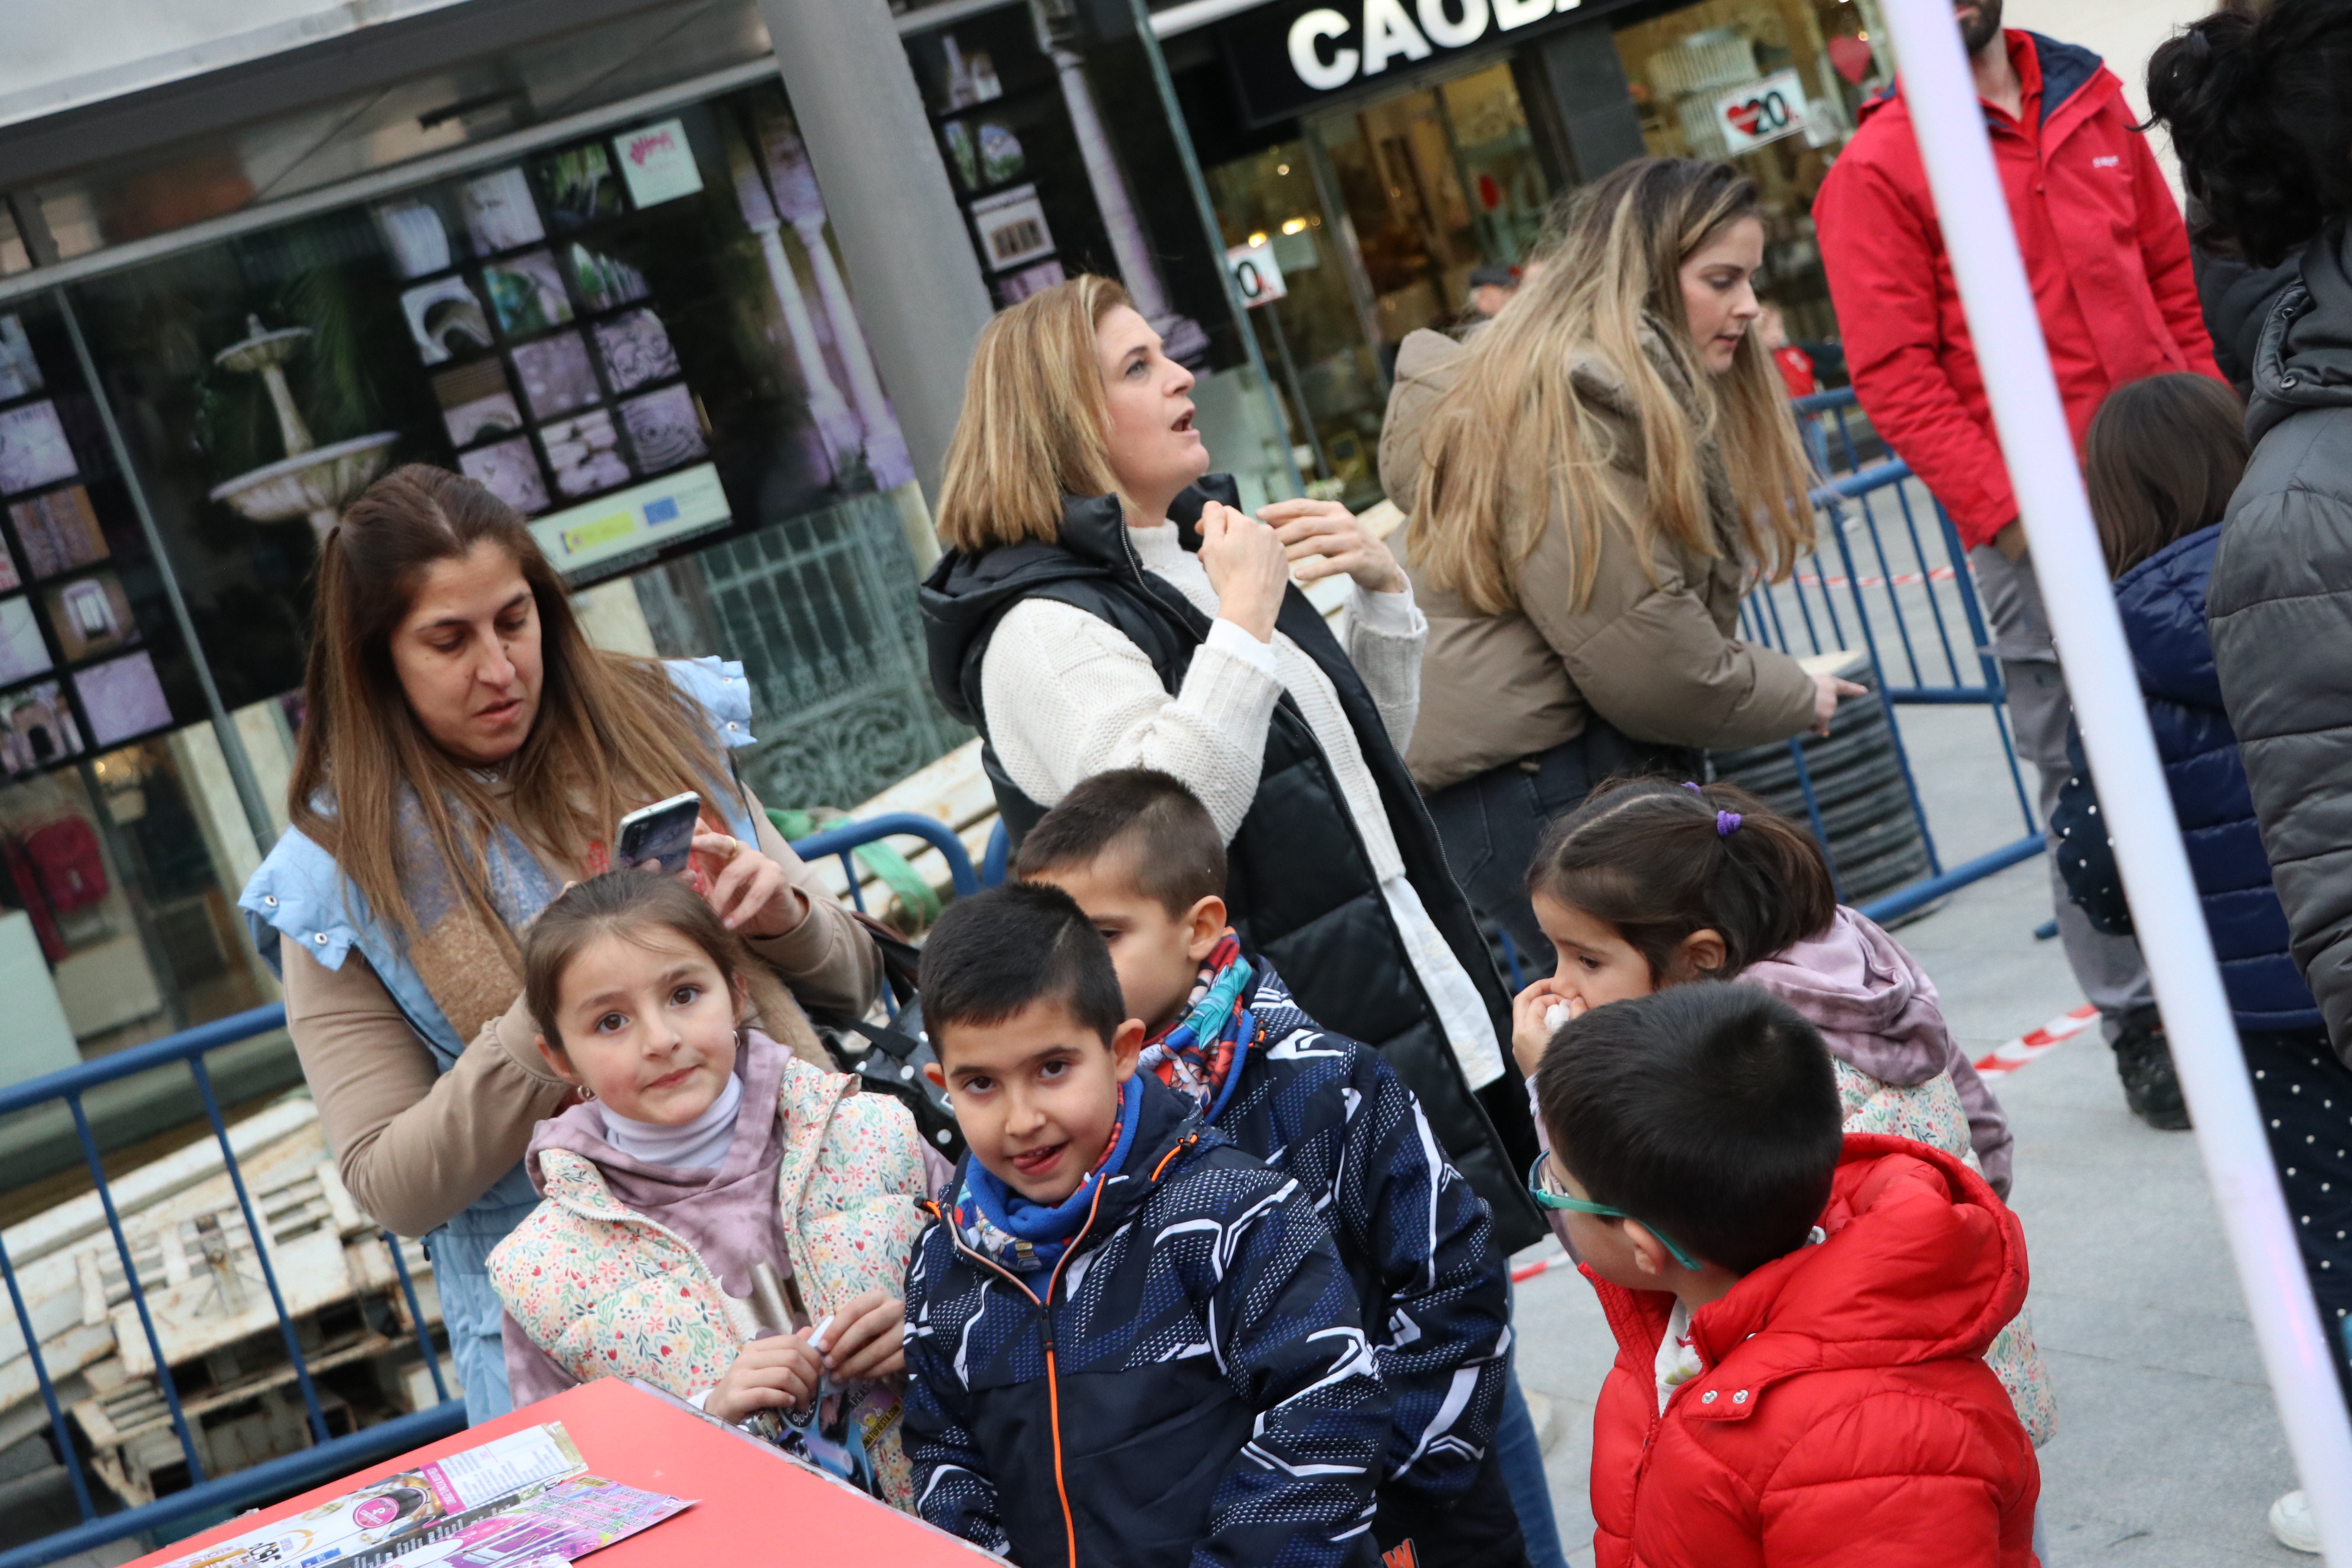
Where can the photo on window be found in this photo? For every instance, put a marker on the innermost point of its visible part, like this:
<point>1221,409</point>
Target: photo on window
<point>122,698</point>
<point>527,293</point>
<point>23,654</point>
<point>36,729</point>
<point>556,375</point>
<point>58,531</point>
<point>33,448</point>
<point>20,373</point>
<point>477,403</point>
<point>636,350</point>
<point>91,615</point>
<point>510,472</point>
<point>499,213</point>
<point>584,454</point>
<point>446,320</point>
<point>663,428</point>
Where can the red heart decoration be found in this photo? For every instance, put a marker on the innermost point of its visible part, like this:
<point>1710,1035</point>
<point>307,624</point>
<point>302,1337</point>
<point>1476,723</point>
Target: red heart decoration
<point>1744,116</point>
<point>1851,57</point>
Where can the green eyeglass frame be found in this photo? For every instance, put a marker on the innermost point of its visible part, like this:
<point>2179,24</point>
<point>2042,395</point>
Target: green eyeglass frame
<point>1540,1188</point>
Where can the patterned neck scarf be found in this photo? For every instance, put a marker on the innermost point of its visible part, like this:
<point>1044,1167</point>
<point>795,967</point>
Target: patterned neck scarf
<point>1023,1236</point>
<point>1199,1056</point>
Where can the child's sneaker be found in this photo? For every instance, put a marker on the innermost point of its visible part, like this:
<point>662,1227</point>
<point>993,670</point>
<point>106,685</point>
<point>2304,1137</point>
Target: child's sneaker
<point>2291,1521</point>
<point>2151,1086</point>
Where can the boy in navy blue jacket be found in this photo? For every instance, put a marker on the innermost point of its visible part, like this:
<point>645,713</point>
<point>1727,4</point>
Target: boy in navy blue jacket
<point>1127,1342</point>
<point>1143,857</point>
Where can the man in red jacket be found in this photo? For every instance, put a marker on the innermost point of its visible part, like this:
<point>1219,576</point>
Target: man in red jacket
<point>2108,257</point>
<point>1801,1316</point>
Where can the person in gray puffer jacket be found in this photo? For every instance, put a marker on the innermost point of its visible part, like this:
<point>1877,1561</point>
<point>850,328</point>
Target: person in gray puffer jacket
<point>2260,113</point>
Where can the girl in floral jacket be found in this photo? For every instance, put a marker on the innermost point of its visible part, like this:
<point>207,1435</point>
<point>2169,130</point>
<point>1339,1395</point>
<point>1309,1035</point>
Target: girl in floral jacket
<point>717,1217</point>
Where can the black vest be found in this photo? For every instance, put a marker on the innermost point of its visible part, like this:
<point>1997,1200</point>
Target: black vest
<point>1299,882</point>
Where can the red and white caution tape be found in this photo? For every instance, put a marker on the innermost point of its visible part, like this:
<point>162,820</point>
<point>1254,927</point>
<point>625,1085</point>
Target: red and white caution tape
<point>1526,1271</point>
<point>1901,579</point>
<point>2028,1047</point>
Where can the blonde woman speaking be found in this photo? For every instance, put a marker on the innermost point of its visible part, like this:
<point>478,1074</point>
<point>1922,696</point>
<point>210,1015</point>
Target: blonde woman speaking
<point>1594,479</point>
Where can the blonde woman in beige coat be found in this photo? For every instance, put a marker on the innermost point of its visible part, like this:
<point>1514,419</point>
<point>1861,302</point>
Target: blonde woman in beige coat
<point>1594,479</point>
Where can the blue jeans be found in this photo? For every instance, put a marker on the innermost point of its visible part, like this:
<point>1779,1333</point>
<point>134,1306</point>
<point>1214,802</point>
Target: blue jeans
<point>1521,1457</point>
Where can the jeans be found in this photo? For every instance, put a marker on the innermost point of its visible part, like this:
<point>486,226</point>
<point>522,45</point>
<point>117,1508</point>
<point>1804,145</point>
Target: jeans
<point>1516,1445</point>
<point>2113,976</point>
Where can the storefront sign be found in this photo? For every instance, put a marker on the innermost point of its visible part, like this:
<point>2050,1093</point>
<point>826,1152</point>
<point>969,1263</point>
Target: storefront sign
<point>1761,112</point>
<point>1290,55</point>
<point>633,521</point>
<point>1255,274</point>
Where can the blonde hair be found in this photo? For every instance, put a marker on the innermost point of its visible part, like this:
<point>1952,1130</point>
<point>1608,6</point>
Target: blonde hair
<point>612,732</point>
<point>1513,435</point>
<point>1035,425</point>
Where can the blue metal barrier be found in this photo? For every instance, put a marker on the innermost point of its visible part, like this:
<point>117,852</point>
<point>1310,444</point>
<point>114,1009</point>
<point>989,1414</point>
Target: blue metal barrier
<point>328,1456</point>
<point>1933,669</point>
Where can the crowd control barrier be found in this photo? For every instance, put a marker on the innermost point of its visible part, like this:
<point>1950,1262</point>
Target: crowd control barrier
<point>1881,581</point>
<point>242,1249</point>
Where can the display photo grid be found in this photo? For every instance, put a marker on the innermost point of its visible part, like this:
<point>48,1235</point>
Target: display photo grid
<point>73,675</point>
<point>554,371</point>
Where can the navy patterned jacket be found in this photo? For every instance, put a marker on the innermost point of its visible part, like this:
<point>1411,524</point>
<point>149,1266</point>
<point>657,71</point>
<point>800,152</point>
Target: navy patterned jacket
<point>1189,1388</point>
<point>1416,1239</point>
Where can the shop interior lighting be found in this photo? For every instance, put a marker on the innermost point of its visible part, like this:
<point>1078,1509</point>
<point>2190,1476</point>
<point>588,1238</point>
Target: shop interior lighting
<point>1257,239</point>
<point>1294,225</point>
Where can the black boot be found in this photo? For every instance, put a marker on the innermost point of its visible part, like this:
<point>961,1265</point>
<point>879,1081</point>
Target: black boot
<point>2144,1062</point>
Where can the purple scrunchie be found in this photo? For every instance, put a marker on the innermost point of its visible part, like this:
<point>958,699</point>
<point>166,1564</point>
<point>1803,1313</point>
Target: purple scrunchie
<point>1727,823</point>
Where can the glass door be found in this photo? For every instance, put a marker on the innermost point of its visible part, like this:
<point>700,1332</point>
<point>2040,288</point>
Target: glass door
<point>1376,219</point>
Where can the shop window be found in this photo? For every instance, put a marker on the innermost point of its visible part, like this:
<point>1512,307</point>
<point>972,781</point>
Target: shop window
<point>122,841</point>
<point>1375,220</point>
<point>642,339</point>
<point>1774,87</point>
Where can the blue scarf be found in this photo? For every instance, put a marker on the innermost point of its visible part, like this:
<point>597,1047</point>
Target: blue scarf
<point>1026,1237</point>
<point>1201,1056</point>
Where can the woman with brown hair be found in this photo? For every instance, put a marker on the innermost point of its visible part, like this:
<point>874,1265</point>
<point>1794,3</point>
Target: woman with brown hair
<point>464,754</point>
<point>1594,480</point>
<point>1103,604</point>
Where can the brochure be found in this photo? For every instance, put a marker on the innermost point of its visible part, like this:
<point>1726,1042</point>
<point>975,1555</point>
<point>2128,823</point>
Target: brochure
<point>428,1514</point>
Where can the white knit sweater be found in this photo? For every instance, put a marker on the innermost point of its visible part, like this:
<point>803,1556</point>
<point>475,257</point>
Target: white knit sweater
<point>1068,696</point>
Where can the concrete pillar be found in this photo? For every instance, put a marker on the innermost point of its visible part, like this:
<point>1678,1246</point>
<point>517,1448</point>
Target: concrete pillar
<point>918,287</point>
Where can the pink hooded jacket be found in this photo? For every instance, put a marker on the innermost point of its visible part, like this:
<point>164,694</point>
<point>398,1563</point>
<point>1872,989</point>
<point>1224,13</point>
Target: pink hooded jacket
<point>1876,1008</point>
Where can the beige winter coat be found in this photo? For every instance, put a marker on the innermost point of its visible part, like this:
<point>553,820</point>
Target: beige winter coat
<point>1654,655</point>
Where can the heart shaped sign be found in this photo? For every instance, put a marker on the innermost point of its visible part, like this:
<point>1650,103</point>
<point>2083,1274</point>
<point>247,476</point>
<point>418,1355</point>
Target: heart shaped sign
<point>1744,116</point>
<point>1851,57</point>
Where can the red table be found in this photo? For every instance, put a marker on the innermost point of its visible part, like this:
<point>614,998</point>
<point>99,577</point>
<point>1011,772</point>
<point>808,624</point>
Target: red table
<point>751,1504</point>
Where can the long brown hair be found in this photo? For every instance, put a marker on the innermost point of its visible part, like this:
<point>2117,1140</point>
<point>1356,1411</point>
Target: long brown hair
<point>2162,459</point>
<point>613,733</point>
<point>630,904</point>
<point>1514,436</point>
<point>1659,860</point>
<point>1035,425</point>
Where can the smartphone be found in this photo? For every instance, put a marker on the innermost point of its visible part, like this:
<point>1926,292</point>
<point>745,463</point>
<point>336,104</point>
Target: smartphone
<point>663,831</point>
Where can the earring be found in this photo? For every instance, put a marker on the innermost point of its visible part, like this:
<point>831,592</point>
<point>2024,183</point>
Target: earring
<point>586,1093</point>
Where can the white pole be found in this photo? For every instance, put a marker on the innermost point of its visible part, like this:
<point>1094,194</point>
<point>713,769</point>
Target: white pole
<point>2035,440</point>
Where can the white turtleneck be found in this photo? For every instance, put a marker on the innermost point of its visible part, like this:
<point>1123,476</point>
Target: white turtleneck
<point>698,1144</point>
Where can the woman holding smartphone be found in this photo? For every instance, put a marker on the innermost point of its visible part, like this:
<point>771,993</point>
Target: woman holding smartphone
<point>465,753</point>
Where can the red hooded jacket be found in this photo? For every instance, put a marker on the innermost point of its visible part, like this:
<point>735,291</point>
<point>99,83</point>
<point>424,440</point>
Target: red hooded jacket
<point>1844,1413</point>
<point>2106,252</point>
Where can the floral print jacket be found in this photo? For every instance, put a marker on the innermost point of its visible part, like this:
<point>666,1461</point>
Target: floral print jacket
<point>608,1292</point>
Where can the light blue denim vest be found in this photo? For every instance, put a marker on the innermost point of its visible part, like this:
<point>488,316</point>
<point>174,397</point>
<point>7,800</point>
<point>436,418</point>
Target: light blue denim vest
<point>299,895</point>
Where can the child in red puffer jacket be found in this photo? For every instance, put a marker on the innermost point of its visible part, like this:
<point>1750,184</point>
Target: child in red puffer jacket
<point>1802,1314</point>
